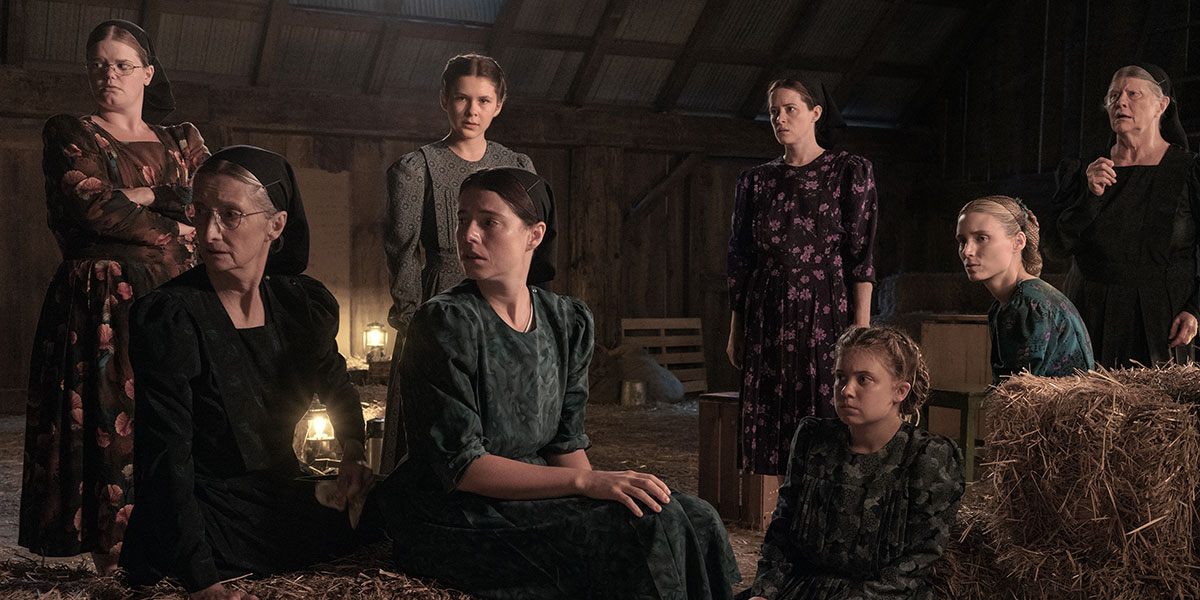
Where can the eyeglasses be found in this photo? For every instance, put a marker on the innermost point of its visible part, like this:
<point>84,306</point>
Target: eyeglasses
<point>227,218</point>
<point>124,69</point>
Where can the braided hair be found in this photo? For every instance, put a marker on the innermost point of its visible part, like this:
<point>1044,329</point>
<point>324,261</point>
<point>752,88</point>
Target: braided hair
<point>1014,217</point>
<point>900,356</point>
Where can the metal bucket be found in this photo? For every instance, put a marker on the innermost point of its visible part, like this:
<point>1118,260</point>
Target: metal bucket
<point>633,392</point>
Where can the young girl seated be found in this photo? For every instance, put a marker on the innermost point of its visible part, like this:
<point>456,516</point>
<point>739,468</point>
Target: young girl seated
<point>1034,327</point>
<point>869,499</point>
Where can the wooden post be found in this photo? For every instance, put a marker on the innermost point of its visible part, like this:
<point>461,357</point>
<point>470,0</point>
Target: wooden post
<point>594,242</point>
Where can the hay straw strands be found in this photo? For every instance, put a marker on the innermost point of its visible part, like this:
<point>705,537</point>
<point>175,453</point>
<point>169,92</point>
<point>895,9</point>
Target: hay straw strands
<point>362,576</point>
<point>1091,489</point>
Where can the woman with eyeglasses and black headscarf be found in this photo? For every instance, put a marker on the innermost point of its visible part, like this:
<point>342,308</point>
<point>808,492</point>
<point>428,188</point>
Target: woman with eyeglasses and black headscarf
<point>228,358</point>
<point>1129,220</point>
<point>497,496</point>
<point>117,195</point>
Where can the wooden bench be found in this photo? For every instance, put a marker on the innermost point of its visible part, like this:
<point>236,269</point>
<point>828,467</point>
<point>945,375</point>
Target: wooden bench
<point>677,345</point>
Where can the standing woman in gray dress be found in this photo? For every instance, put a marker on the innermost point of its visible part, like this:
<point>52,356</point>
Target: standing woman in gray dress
<point>423,200</point>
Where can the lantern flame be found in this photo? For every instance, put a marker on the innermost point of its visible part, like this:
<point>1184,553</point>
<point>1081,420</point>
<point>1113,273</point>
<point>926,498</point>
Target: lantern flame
<point>319,427</point>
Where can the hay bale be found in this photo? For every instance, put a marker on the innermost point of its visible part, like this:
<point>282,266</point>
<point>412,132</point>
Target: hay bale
<point>366,575</point>
<point>1092,487</point>
<point>967,568</point>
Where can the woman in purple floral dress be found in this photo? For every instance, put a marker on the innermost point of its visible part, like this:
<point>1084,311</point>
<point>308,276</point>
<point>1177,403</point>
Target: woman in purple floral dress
<point>117,198</point>
<point>800,271</point>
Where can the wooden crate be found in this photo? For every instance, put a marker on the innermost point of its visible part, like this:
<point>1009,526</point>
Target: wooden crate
<point>745,499</point>
<point>677,344</point>
<point>720,418</point>
<point>957,349</point>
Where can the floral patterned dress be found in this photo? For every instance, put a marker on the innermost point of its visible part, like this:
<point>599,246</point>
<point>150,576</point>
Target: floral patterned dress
<point>1038,330</point>
<point>800,236</point>
<point>75,494</point>
<point>860,526</point>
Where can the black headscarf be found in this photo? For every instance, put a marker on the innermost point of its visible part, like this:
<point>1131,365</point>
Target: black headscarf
<point>831,118</point>
<point>290,255</point>
<point>542,266</point>
<point>158,102</point>
<point>1169,124</point>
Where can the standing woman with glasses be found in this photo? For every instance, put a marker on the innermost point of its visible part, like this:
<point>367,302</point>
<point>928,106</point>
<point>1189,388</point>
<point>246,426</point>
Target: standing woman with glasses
<point>118,200</point>
<point>423,200</point>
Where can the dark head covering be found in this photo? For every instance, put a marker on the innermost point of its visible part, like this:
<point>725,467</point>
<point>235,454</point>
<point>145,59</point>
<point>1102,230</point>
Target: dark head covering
<point>831,118</point>
<point>290,255</point>
<point>541,268</point>
<point>1169,125</point>
<point>158,101</point>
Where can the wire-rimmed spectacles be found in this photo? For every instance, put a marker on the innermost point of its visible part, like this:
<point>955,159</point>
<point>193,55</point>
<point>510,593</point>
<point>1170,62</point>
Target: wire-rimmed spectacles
<point>124,69</point>
<point>227,218</point>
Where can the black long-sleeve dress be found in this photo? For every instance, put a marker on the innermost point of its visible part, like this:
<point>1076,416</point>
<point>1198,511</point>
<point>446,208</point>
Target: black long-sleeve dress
<point>1134,250</point>
<point>860,526</point>
<point>217,406</point>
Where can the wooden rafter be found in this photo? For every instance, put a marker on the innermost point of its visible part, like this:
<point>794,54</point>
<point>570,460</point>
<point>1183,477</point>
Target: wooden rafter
<point>14,50</point>
<point>882,33</point>
<point>953,53</point>
<point>803,18</point>
<point>149,16</point>
<point>589,68</point>
<point>673,178</point>
<point>710,17</point>
<point>385,50</point>
<point>268,47</point>
<point>505,23</point>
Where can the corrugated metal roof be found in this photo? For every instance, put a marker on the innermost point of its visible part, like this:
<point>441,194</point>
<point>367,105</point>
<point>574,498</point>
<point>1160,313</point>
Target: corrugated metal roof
<point>206,44</point>
<point>566,17</point>
<point>470,11</point>
<point>58,31</point>
<point>630,80</point>
<point>923,31</point>
<point>326,58</point>
<point>757,29</point>
<point>417,63</point>
<point>717,88</point>
<point>842,30</point>
<point>540,74</point>
<point>880,99</point>
<point>667,21</point>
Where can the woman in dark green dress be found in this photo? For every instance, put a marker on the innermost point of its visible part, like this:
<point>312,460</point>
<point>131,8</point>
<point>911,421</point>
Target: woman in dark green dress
<point>869,500</point>
<point>228,358</point>
<point>1033,326</point>
<point>497,496</point>
<point>1129,220</point>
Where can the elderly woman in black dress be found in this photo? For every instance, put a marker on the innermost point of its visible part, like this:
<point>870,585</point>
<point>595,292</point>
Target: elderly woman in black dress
<point>1129,220</point>
<point>228,358</point>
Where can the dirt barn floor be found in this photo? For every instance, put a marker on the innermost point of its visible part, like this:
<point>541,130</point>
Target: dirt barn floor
<point>658,439</point>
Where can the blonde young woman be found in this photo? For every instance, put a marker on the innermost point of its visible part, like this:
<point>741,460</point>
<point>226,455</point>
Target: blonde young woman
<point>1034,327</point>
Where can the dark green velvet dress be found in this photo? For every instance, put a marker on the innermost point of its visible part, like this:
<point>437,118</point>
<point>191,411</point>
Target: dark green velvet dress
<point>860,526</point>
<point>215,472</point>
<point>473,386</point>
<point>1038,330</point>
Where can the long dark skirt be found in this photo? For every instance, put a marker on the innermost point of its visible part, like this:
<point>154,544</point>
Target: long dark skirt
<point>562,548</point>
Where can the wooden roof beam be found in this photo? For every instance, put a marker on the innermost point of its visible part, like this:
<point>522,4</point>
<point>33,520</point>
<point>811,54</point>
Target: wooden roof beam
<point>385,52</point>
<point>268,46</point>
<point>710,17</point>
<point>505,23</point>
<point>954,52</point>
<point>803,18</point>
<point>14,48</point>
<point>884,30</point>
<point>589,68</point>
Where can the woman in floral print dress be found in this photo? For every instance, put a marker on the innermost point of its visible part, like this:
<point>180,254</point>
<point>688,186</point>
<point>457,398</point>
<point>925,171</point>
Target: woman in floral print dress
<point>800,271</point>
<point>117,200</point>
